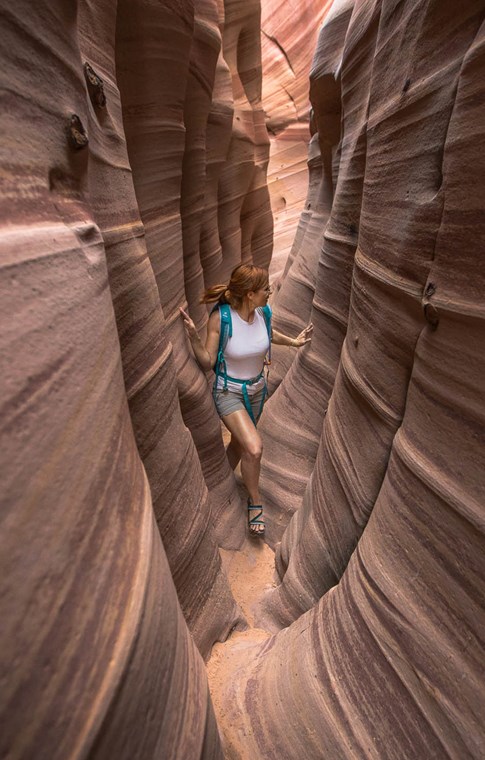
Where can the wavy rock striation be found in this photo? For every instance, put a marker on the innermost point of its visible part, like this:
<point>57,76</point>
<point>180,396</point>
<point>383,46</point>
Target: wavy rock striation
<point>302,397</point>
<point>153,55</point>
<point>245,222</point>
<point>118,206</point>
<point>388,557</point>
<point>97,659</point>
<point>386,316</point>
<point>295,293</point>
<point>95,645</point>
<point>164,443</point>
<point>288,35</point>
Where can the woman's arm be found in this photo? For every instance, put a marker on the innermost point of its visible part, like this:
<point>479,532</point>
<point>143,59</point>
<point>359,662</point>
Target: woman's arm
<point>280,339</point>
<point>206,355</point>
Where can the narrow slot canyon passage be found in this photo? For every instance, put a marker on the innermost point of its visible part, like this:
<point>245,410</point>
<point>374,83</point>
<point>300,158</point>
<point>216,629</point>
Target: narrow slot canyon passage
<point>251,574</point>
<point>153,153</point>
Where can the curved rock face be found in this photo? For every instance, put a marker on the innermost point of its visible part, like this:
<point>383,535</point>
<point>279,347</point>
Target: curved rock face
<point>109,552</point>
<point>245,222</point>
<point>95,648</point>
<point>164,443</point>
<point>388,553</point>
<point>294,295</point>
<point>153,54</point>
<point>372,384</point>
<point>302,398</point>
<point>204,53</point>
<point>288,33</point>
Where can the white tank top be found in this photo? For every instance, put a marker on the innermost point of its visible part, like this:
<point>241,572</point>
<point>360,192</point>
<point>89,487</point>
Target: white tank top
<point>245,351</point>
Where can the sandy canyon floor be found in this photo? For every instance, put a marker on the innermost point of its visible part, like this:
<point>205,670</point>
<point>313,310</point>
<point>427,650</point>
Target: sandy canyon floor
<point>251,574</point>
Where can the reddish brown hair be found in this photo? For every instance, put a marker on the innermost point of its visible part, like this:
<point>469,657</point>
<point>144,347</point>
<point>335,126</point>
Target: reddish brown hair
<point>244,278</point>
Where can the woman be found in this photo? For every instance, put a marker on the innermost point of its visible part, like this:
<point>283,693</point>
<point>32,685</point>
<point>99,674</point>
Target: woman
<point>240,387</point>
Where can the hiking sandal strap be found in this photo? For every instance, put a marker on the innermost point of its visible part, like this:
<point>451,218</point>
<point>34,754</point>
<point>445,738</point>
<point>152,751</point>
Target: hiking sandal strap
<point>256,519</point>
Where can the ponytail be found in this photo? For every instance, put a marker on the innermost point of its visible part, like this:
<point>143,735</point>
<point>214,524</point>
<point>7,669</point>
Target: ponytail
<point>219,293</point>
<point>244,278</point>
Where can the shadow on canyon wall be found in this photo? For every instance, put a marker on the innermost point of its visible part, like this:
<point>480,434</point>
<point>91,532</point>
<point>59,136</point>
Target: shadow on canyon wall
<point>134,165</point>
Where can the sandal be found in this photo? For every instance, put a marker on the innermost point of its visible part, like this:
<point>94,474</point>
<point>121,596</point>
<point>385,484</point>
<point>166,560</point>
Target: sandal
<point>256,520</point>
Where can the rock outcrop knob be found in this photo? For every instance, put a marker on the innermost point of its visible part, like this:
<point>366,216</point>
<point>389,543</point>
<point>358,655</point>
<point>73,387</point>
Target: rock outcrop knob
<point>95,87</point>
<point>77,135</point>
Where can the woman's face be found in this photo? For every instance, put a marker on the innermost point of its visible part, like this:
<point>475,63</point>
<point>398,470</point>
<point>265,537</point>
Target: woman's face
<point>260,297</point>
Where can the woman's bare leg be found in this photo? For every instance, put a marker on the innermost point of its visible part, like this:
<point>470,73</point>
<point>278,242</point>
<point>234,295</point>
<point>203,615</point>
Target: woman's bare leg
<point>247,439</point>
<point>233,452</point>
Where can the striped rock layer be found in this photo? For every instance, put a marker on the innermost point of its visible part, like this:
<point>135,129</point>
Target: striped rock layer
<point>317,284</point>
<point>129,184</point>
<point>112,458</point>
<point>383,568</point>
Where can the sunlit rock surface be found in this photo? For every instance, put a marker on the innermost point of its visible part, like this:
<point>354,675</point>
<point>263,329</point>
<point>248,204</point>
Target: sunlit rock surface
<point>288,35</point>
<point>387,554</point>
<point>97,658</point>
<point>115,214</point>
<point>322,261</point>
<point>165,445</point>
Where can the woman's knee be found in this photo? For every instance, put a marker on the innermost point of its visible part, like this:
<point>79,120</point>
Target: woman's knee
<point>254,449</point>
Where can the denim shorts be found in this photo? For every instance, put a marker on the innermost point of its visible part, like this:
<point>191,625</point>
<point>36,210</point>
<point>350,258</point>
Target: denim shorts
<point>231,401</point>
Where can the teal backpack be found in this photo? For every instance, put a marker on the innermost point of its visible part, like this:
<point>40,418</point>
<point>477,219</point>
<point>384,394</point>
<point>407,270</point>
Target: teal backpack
<point>220,365</point>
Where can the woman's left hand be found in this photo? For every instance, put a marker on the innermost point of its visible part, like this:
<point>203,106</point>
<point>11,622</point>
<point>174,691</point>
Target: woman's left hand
<point>304,337</point>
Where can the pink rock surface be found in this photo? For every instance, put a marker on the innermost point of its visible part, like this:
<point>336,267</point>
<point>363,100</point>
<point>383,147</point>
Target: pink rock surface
<point>208,122</point>
<point>302,397</point>
<point>153,54</point>
<point>372,384</point>
<point>204,54</point>
<point>164,443</point>
<point>288,35</point>
<point>388,661</point>
<point>245,222</point>
<point>377,428</point>
<point>218,138</point>
<point>96,656</point>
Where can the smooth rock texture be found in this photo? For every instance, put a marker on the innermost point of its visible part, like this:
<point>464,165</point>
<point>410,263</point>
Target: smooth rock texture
<point>388,557</point>
<point>386,316</point>
<point>204,55</point>
<point>288,34</point>
<point>294,294</point>
<point>323,262</point>
<point>108,547</point>
<point>164,443</point>
<point>96,658</point>
<point>218,138</point>
<point>154,43</point>
<point>245,221</point>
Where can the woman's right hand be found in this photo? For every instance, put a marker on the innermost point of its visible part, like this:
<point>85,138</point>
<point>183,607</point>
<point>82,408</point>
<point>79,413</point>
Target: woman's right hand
<point>201,352</point>
<point>189,325</point>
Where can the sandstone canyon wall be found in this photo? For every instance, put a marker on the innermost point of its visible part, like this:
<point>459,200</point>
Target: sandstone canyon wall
<point>383,566</point>
<point>110,503</point>
<point>316,287</point>
<point>134,168</point>
<point>288,34</point>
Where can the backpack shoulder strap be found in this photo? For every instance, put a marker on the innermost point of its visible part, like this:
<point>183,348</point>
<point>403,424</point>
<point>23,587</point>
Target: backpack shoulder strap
<point>267,314</point>
<point>226,325</point>
<point>225,333</point>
